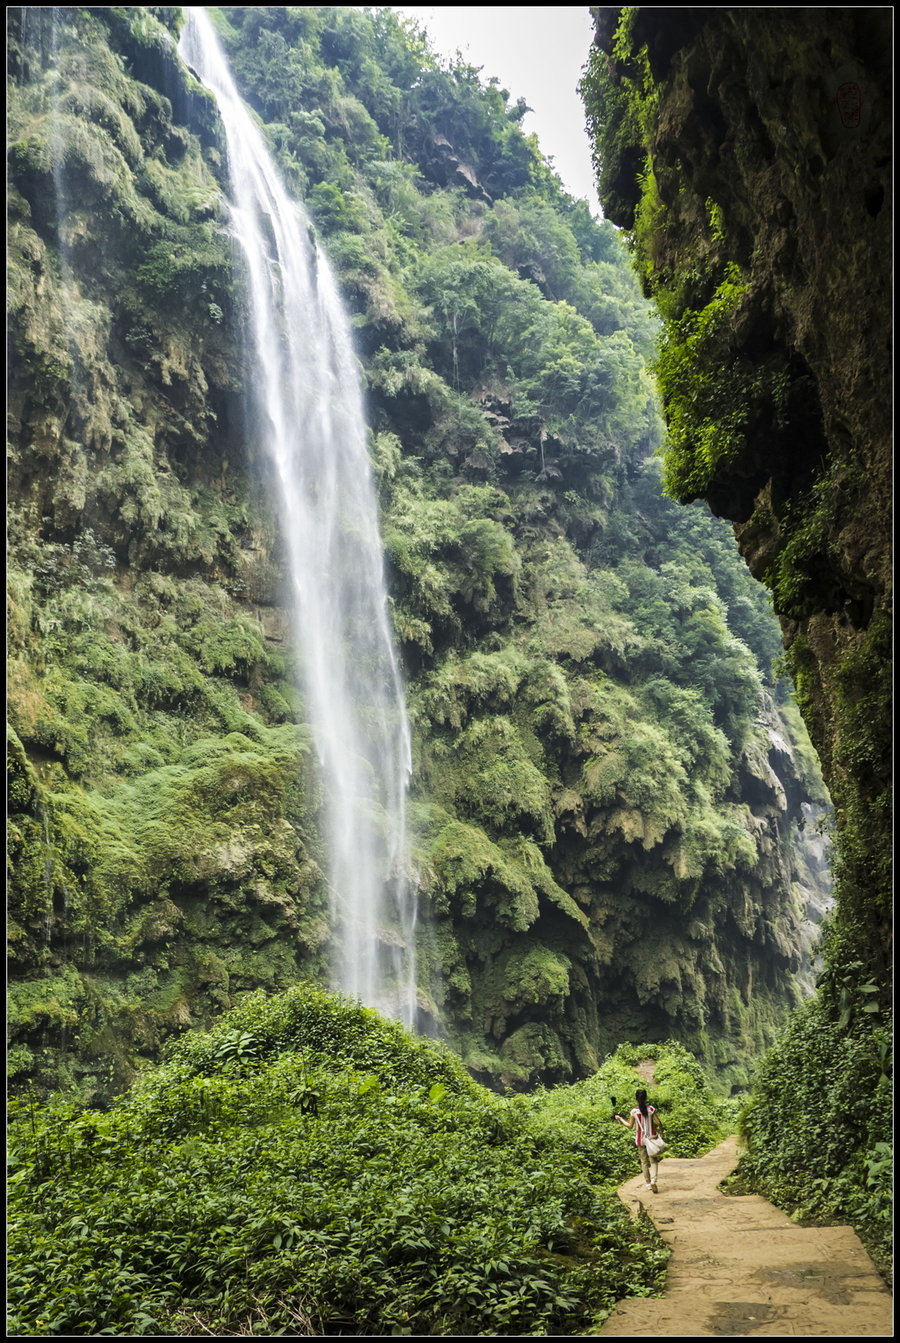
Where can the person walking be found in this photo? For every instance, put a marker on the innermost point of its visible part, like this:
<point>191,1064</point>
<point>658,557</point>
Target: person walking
<point>644,1121</point>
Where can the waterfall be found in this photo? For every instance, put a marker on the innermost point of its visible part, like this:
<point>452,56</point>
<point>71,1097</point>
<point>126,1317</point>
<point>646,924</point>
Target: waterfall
<point>303,371</point>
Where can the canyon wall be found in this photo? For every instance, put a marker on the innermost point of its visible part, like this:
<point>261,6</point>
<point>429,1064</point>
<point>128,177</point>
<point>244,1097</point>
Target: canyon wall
<point>748,153</point>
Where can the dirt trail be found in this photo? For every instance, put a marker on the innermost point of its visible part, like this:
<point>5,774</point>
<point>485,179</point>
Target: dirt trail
<point>741,1267</point>
<point>646,1069</point>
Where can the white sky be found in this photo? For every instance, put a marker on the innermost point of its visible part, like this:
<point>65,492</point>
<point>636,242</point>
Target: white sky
<point>537,52</point>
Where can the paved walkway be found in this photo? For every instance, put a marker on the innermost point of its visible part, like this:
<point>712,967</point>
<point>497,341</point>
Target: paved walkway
<point>741,1267</point>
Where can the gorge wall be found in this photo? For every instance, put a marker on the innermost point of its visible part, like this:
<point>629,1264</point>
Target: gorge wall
<point>749,154</point>
<point>611,783</point>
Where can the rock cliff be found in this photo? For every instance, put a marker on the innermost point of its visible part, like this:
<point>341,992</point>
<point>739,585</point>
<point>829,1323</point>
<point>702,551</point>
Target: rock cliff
<point>608,777</point>
<point>749,153</point>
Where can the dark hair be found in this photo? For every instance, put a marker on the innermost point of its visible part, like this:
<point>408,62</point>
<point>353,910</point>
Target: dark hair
<point>641,1098</point>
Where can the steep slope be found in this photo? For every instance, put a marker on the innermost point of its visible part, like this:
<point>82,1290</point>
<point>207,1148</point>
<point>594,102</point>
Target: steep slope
<point>609,780</point>
<point>748,154</point>
<point>752,162</point>
<point>163,840</point>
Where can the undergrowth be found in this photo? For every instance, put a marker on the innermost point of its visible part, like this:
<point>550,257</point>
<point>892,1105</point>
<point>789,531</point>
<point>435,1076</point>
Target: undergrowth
<point>822,1091</point>
<point>308,1167</point>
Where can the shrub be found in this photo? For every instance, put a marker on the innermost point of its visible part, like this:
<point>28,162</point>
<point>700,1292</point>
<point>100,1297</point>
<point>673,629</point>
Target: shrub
<point>821,1092</point>
<point>308,1167</point>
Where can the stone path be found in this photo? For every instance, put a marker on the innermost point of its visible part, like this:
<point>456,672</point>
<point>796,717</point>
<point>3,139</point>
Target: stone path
<point>741,1267</point>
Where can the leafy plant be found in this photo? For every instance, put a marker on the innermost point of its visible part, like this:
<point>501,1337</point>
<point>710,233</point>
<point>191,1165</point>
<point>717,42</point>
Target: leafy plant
<point>410,1199</point>
<point>828,1073</point>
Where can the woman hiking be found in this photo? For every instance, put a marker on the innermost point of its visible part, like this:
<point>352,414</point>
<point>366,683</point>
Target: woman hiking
<point>643,1117</point>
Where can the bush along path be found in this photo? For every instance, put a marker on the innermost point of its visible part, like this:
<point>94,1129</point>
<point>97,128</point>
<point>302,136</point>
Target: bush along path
<point>739,1266</point>
<point>309,1168</point>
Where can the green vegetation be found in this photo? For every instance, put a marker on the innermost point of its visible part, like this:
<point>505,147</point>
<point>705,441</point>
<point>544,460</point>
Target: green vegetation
<point>810,559</point>
<point>611,780</point>
<point>607,773</point>
<point>718,397</point>
<point>308,1167</point>
<point>825,1090</point>
<point>711,393</point>
<point>716,195</point>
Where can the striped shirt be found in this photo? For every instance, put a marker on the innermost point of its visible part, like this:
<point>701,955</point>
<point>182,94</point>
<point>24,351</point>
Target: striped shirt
<point>639,1125</point>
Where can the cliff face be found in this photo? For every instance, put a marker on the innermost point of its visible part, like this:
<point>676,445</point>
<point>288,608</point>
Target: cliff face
<point>162,860</point>
<point>750,153</point>
<point>608,780</point>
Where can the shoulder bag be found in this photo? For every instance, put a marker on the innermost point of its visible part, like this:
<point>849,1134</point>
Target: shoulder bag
<point>654,1143</point>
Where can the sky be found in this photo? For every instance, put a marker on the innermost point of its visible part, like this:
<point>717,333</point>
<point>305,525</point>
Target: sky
<point>537,52</point>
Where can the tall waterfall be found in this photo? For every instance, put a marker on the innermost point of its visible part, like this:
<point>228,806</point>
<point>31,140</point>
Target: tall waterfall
<point>302,366</point>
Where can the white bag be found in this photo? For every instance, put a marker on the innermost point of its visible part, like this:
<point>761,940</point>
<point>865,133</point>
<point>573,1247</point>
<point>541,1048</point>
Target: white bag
<point>654,1143</point>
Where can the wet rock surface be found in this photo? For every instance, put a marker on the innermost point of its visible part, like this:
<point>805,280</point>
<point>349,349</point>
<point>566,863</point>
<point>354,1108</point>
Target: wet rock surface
<point>769,149</point>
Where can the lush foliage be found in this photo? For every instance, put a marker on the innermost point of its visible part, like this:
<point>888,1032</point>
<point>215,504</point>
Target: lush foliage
<point>711,391</point>
<point>607,776</point>
<point>308,1167</point>
<point>718,396</point>
<point>579,1117</point>
<point>761,425</point>
<point>822,1091</point>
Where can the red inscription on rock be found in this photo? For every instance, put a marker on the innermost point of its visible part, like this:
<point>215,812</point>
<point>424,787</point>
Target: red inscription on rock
<point>849,101</point>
